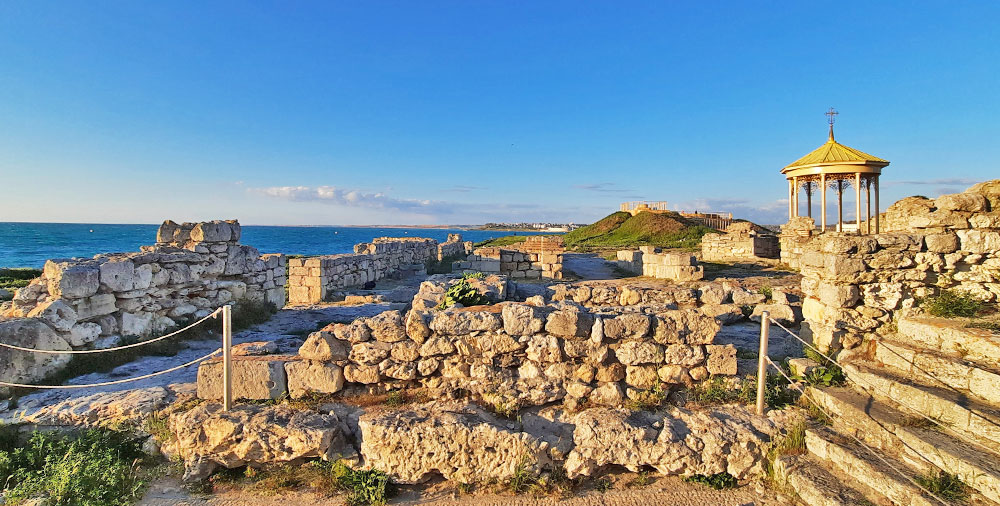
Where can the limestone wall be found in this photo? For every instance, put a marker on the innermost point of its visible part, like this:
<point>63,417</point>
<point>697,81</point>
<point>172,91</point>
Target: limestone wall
<point>91,302</point>
<point>794,236</point>
<point>514,354</point>
<point>651,261</point>
<point>740,242</point>
<point>314,279</point>
<point>537,257</point>
<point>454,248</point>
<point>854,285</point>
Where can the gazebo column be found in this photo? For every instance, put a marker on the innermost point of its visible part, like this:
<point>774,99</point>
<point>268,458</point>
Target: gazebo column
<point>840,205</point>
<point>868,206</point>
<point>822,199</point>
<point>857,200</point>
<point>795,191</point>
<point>877,208</point>
<point>809,198</point>
<point>790,216</point>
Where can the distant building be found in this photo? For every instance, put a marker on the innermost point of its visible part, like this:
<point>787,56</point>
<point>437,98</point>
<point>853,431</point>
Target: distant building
<point>718,221</point>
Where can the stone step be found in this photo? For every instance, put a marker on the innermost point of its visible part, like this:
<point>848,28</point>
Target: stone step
<point>934,368</point>
<point>921,446</point>
<point>978,421</point>
<point>949,336</point>
<point>851,459</point>
<point>814,483</point>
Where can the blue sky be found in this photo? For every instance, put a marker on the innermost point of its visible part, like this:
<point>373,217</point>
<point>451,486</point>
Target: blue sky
<point>471,111</point>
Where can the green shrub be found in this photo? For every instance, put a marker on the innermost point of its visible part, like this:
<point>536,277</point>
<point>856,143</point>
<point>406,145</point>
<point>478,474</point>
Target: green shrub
<point>12,279</point>
<point>945,485</point>
<point>99,467</point>
<point>247,313</point>
<point>464,293</point>
<point>767,291</point>
<point>953,303</point>
<point>648,400</point>
<point>717,481</point>
<point>369,487</point>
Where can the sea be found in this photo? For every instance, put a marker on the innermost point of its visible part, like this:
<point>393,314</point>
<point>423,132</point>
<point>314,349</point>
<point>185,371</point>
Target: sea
<point>31,244</point>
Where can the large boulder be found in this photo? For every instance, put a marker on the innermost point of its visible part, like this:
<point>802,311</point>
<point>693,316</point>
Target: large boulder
<point>26,367</point>
<point>101,409</point>
<point>72,279</point>
<point>257,378</point>
<point>208,437</point>
<point>461,442</point>
<point>323,346</point>
<point>465,321</point>
<point>388,326</point>
<point>676,443</point>
<point>306,377</point>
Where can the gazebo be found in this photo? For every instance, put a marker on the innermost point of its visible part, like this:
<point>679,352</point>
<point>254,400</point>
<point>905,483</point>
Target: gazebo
<point>834,165</point>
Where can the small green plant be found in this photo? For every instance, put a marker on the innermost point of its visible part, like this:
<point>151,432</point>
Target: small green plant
<point>747,354</point>
<point>827,374</point>
<point>649,399</point>
<point>396,398</point>
<point>987,325</point>
<point>369,487</point>
<point>522,479</point>
<point>945,485</point>
<point>465,488</point>
<point>818,414</point>
<point>718,481</point>
<point>603,484</point>
<point>641,480</point>
<point>464,293</point>
<point>747,310</point>
<point>953,303</point>
<point>767,291</point>
<point>792,443</point>
<point>247,313</point>
<point>158,425</point>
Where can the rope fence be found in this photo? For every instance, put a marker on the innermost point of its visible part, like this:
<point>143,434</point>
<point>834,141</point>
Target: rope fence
<point>226,350</point>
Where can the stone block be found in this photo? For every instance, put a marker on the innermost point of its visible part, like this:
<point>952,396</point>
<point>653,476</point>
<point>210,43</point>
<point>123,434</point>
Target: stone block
<point>323,346</point>
<point>627,326</point>
<point>72,279</point>
<point>306,377</point>
<point>721,359</point>
<point>639,353</point>
<point>641,376</point>
<point>252,378</point>
<point>522,319</point>
<point>567,323</point>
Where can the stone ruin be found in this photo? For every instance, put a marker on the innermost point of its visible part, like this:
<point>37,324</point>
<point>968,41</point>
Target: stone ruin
<point>656,263</point>
<point>82,303</point>
<point>316,279</point>
<point>742,241</point>
<point>854,285</point>
<point>536,258</point>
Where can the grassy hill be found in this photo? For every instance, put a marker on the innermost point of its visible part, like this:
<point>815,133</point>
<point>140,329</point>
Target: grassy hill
<point>620,229</point>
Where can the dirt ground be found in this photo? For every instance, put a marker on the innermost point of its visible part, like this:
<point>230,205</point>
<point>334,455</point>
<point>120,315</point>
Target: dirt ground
<point>665,490</point>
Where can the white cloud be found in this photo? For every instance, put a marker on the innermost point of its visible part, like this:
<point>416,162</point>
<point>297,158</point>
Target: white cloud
<point>353,198</point>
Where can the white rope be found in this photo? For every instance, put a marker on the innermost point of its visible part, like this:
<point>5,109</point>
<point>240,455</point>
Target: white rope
<point>871,386</point>
<point>105,350</point>
<point>853,436</point>
<point>116,382</point>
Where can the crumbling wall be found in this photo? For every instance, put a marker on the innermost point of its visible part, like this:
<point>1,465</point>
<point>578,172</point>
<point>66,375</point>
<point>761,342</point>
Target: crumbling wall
<point>193,269</point>
<point>740,242</point>
<point>854,285</point>
<point>314,279</point>
<point>510,354</point>
<point>653,262</point>
<point>535,258</point>
<point>453,248</point>
<point>794,236</point>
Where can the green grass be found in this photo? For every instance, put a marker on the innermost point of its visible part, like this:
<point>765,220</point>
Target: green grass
<point>97,467</point>
<point>792,443</point>
<point>363,487</point>
<point>953,303</point>
<point>620,229</point>
<point>718,481</point>
<point>12,279</point>
<point>648,400</point>
<point>506,240</point>
<point>945,485</point>
<point>716,391</point>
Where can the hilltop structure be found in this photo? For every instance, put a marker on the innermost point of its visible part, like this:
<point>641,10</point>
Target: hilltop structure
<point>836,166</point>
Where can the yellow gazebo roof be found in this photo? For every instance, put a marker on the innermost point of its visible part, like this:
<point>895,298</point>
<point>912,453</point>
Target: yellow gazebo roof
<point>835,153</point>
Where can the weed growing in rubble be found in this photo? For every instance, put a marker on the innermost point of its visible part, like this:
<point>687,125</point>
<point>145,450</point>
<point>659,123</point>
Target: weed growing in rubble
<point>945,485</point>
<point>97,467</point>
<point>717,481</point>
<point>464,293</point>
<point>953,303</point>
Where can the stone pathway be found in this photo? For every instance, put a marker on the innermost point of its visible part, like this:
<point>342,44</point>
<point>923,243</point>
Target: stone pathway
<point>588,266</point>
<point>287,328</point>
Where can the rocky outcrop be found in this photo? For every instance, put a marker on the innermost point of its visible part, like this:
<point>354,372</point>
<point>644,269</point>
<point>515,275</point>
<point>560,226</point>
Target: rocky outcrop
<point>208,437</point>
<point>26,367</point>
<point>678,442</point>
<point>461,442</point>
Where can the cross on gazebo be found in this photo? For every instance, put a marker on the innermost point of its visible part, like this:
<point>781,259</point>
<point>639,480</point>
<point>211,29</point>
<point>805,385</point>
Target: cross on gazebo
<point>831,113</point>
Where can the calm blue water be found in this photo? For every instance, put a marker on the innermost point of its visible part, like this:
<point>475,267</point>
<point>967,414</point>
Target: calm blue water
<point>31,244</point>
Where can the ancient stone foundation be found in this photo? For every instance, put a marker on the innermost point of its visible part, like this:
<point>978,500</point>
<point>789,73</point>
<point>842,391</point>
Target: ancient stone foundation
<point>537,257</point>
<point>84,303</point>
<point>740,242</point>
<point>655,263</point>
<point>315,279</point>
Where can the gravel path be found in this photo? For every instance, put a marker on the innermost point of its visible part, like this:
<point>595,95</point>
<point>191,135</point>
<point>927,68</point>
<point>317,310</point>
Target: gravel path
<point>666,490</point>
<point>588,266</point>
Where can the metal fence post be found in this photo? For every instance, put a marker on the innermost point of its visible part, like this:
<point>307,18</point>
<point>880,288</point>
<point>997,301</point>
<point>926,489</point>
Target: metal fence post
<point>765,327</point>
<point>227,357</point>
